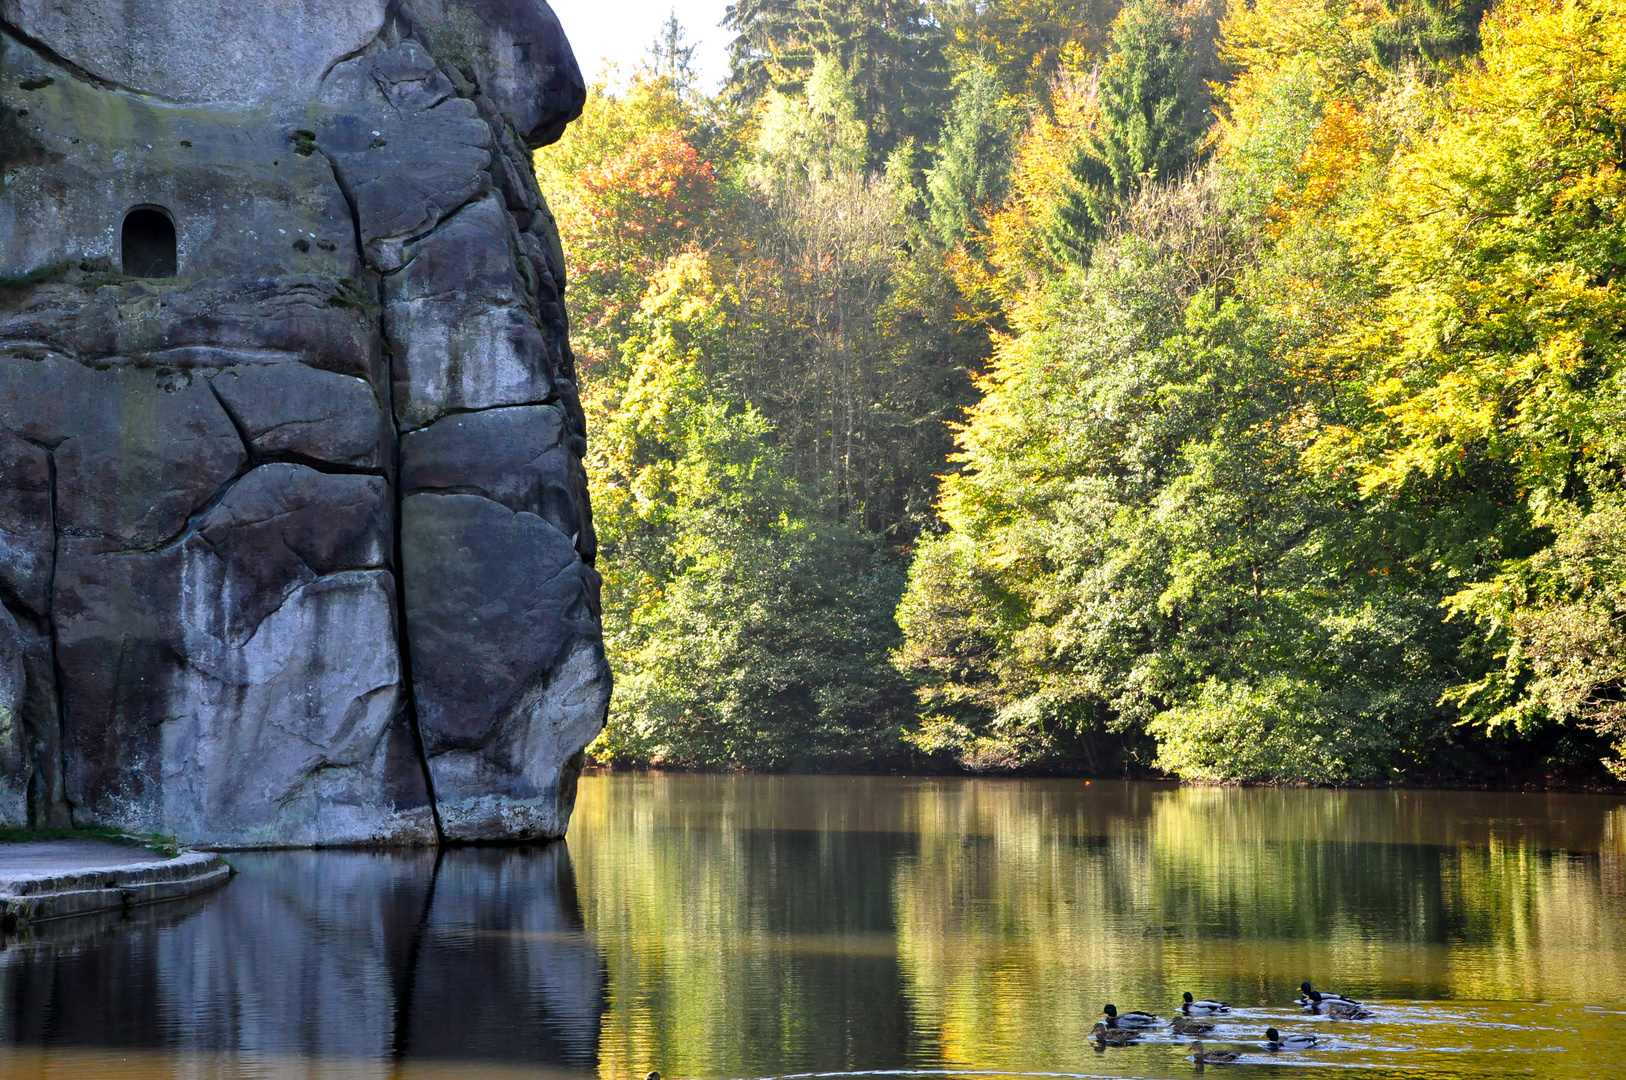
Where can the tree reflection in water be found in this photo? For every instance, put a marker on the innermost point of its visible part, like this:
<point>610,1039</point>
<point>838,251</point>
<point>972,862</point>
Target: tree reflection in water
<point>768,925</point>
<point>736,926</point>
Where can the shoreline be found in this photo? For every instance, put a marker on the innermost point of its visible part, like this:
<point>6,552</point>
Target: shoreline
<point>1618,788</point>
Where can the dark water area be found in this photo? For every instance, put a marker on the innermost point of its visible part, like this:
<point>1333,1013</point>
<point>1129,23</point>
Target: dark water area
<point>735,927</point>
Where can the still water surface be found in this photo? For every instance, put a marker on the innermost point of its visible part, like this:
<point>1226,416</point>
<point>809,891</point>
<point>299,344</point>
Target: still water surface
<point>733,927</point>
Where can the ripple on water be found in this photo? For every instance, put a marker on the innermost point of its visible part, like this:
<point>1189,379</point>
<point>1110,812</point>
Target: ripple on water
<point>792,927</point>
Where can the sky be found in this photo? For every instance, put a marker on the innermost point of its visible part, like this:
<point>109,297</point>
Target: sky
<point>622,30</point>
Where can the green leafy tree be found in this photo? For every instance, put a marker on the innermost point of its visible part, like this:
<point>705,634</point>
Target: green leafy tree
<point>748,630</point>
<point>1138,553</point>
<point>810,138</point>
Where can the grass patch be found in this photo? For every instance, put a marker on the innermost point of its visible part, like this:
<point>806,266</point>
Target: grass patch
<point>44,275</point>
<point>87,274</point>
<point>352,295</point>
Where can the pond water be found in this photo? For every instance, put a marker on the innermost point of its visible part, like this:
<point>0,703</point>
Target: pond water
<point>736,927</point>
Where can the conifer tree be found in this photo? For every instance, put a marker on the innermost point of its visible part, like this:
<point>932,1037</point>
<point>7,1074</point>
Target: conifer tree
<point>1153,115</point>
<point>671,58</point>
<point>890,50</point>
<point>974,160</point>
<point>1436,30</point>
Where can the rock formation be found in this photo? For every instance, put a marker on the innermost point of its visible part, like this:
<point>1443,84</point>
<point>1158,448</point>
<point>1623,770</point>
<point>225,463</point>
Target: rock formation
<point>295,546</point>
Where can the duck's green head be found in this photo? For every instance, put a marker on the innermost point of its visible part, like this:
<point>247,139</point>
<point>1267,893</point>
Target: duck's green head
<point>1188,997</point>
<point>1271,1035</point>
<point>1110,1010</point>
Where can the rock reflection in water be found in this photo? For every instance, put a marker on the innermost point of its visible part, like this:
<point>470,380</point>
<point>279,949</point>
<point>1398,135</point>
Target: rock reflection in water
<point>474,954</point>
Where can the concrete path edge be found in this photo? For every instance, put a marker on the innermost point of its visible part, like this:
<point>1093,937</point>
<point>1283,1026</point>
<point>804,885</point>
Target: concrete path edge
<point>32,898</point>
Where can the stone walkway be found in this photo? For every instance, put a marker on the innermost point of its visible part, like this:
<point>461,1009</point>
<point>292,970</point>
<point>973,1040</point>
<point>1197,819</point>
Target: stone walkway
<point>34,857</point>
<point>55,879</point>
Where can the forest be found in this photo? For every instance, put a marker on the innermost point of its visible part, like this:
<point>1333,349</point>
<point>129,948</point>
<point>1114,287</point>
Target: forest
<point>1224,391</point>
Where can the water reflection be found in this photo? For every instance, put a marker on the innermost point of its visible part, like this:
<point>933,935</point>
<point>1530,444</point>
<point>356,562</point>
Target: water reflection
<point>755,926</point>
<point>729,927</point>
<point>478,954</point>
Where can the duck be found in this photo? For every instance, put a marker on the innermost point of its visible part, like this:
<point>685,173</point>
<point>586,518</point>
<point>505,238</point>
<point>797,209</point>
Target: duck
<point>1212,1057</point>
<point>1205,1006</point>
<point>1129,1019</point>
<point>1114,1036</point>
<point>1185,1025</point>
<point>1291,1041</point>
<point>1318,997</point>
<point>1347,1010</point>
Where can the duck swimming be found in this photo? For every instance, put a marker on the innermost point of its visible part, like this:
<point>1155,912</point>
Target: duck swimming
<point>1274,1040</point>
<point>1185,1025</point>
<point>1114,1036</point>
<point>1129,1019</point>
<point>1189,1006</point>
<point>1346,1010</point>
<point>1317,997</point>
<point>1212,1057</point>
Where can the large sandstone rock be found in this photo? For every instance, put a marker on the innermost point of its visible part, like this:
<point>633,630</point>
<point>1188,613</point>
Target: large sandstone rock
<point>14,773</point>
<point>201,51</point>
<point>295,546</point>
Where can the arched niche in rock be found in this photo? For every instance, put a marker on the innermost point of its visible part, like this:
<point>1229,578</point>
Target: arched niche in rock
<point>147,243</point>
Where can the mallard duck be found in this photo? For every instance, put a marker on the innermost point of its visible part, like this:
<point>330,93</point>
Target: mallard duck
<point>1319,997</point>
<point>1185,1025</point>
<point>1346,1010</point>
<point>1212,1057</point>
<point>1205,1006</point>
<point>1129,1019</point>
<point>1291,1041</point>
<point>1114,1036</point>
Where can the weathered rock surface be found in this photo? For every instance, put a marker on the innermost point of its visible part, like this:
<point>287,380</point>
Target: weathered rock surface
<point>200,51</point>
<point>519,457</point>
<point>490,715</point>
<point>13,744</point>
<point>295,546</point>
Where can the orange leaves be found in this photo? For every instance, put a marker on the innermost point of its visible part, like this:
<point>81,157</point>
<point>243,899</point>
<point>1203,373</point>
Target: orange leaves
<point>1017,259</point>
<point>1339,150</point>
<point>656,188</point>
<point>625,216</point>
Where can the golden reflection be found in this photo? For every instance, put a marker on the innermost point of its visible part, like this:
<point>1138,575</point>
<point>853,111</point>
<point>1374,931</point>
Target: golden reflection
<point>760,925</point>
